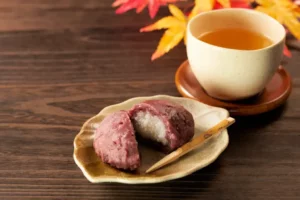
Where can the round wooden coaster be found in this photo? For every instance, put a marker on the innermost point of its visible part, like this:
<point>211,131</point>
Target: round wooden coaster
<point>275,93</point>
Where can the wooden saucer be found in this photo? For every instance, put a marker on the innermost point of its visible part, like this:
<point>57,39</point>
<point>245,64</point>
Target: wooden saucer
<point>276,93</point>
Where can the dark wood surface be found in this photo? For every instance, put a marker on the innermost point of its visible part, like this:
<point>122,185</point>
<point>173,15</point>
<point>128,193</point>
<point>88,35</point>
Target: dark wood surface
<point>62,61</point>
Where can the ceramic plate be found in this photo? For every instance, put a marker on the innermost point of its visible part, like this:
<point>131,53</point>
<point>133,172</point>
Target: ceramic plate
<point>96,171</point>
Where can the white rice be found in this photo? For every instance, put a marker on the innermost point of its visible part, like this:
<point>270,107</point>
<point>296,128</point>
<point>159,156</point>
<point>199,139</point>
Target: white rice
<point>150,127</point>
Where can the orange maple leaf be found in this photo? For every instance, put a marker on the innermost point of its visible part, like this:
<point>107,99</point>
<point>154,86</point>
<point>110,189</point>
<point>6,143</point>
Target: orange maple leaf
<point>284,11</point>
<point>206,5</point>
<point>176,27</point>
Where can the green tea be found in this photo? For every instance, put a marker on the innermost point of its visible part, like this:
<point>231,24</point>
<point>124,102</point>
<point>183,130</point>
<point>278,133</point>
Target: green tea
<point>235,38</point>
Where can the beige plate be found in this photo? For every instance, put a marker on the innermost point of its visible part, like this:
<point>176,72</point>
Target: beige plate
<point>96,171</point>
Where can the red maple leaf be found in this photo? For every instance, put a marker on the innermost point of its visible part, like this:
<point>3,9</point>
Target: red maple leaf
<point>139,5</point>
<point>235,4</point>
<point>287,52</point>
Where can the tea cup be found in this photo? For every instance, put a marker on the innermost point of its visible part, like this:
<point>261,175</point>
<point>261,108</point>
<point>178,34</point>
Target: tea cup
<point>233,74</point>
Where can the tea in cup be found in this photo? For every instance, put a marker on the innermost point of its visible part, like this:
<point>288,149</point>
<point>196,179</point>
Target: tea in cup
<point>234,52</point>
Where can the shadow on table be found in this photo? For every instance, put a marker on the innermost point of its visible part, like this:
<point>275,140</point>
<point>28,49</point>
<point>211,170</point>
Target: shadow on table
<point>189,187</point>
<point>247,124</point>
<point>248,137</point>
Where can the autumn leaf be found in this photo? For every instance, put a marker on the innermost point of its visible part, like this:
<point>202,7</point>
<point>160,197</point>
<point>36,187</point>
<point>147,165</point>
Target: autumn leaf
<point>119,2</point>
<point>176,27</point>
<point>206,5</point>
<point>235,4</point>
<point>284,11</point>
<point>287,52</point>
<point>139,5</point>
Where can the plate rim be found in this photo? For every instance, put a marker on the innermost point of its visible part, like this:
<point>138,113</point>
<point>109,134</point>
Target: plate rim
<point>155,179</point>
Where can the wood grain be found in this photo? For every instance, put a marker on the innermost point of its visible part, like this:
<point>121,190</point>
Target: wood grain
<point>61,61</point>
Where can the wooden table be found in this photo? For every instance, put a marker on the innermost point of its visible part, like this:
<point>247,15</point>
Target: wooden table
<point>63,61</point>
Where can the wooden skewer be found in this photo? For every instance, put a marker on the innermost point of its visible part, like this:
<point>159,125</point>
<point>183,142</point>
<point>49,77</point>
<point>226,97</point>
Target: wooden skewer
<point>196,142</point>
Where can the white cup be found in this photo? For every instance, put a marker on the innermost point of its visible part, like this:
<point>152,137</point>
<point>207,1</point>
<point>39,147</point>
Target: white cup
<point>231,74</point>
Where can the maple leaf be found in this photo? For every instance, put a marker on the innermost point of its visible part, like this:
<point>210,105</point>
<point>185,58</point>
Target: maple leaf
<point>118,3</point>
<point>139,5</point>
<point>176,27</point>
<point>284,11</point>
<point>206,5</point>
<point>287,52</point>
<point>235,4</point>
